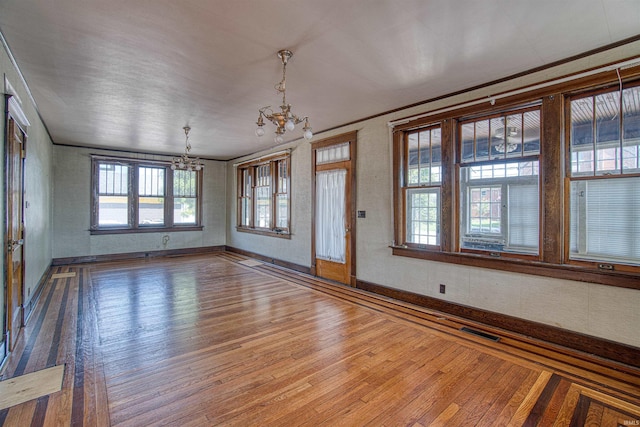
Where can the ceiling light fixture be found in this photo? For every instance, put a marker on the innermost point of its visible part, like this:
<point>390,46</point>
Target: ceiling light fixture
<point>184,162</point>
<point>284,119</point>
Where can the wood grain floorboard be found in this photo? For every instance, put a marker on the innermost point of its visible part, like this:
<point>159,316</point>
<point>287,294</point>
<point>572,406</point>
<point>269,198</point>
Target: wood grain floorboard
<point>205,340</point>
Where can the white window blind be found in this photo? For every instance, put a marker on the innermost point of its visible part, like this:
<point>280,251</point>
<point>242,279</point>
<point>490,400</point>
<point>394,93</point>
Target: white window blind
<point>604,220</point>
<point>523,216</point>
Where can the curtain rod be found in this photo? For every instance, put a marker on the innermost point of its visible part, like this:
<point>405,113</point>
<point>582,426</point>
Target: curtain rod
<point>492,99</point>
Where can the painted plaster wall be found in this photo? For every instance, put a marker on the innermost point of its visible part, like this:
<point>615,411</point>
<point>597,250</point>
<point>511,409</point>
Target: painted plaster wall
<point>602,311</point>
<point>38,187</point>
<point>72,200</point>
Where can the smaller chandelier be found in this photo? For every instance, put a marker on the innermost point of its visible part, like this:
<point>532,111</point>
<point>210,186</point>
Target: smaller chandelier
<point>284,119</point>
<point>185,162</point>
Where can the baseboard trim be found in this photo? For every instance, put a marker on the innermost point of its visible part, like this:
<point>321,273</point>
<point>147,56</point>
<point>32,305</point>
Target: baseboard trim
<point>136,255</point>
<point>28,309</point>
<point>292,266</point>
<point>587,344</point>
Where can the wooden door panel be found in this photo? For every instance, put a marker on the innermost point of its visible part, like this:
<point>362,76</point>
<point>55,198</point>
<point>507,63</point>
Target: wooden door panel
<point>343,272</point>
<point>14,231</point>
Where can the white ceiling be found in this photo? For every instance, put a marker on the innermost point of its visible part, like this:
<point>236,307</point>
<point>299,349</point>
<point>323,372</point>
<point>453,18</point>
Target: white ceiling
<point>129,75</point>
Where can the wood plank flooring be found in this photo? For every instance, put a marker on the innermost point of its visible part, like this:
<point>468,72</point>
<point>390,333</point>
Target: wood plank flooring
<point>205,340</point>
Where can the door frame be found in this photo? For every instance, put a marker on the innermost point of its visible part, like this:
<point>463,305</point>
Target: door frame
<point>14,119</point>
<point>351,138</point>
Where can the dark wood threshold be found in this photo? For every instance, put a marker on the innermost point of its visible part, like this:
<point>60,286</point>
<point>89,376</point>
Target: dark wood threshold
<point>552,337</point>
<point>136,255</point>
<point>270,260</point>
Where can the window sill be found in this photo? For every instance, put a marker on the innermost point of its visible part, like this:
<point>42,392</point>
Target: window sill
<point>567,272</point>
<point>102,231</point>
<point>264,232</point>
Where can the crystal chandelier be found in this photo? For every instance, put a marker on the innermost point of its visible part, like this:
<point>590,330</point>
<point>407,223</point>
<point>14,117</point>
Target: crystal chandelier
<point>284,119</point>
<point>184,162</point>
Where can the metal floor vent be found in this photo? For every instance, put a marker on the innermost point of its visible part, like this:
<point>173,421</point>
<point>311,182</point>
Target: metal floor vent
<point>480,334</point>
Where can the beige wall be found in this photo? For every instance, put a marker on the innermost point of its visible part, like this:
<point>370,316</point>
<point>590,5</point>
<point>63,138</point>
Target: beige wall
<point>602,311</point>
<point>71,210</point>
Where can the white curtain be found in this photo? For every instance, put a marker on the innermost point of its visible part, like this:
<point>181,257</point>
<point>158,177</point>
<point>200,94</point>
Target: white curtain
<point>330,215</point>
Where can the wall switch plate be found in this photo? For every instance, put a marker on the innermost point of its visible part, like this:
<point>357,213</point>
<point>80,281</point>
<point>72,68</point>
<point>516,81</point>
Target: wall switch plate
<point>442,288</point>
<point>362,214</point>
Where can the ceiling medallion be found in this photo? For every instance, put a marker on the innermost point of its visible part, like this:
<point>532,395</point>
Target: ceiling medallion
<point>284,119</point>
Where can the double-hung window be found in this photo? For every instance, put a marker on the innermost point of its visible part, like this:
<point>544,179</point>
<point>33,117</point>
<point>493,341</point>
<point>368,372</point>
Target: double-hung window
<point>499,182</point>
<point>133,196</point>
<point>544,184</point>
<point>604,175</point>
<point>422,154</point>
<point>263,195</point>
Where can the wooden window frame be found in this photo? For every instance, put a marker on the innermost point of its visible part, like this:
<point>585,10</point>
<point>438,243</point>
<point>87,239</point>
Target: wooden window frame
<point>590,263</point>
<point>552,260</point>
<point>133,199</point>
<point>251,168</point>
<point>408,187</point>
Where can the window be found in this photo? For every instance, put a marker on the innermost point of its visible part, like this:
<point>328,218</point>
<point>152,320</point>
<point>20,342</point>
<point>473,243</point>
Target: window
<point>422,154</point>
<point>499,194</point>
<point>605,176</point>
<point>263,195</point>
<point>547,183</point>
<point>132,195</point>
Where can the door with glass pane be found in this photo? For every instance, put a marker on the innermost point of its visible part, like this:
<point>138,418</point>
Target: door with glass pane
<point>14,232</point>
<point>333,231</point>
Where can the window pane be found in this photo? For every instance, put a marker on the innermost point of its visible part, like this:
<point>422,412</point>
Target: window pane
<point>436,156</point>
<point>631,130</point>
<point>151,211</point>
<point>423,216</point>
<point>607,132</point>
<point>113,179</point>
<point>245,212</point>
<point>150,181</point>
<point>184,210</point>
<point>500,144</point>
<point>263,207</point>
<point>582,143</point>
<point>468,138</point>
<point>523,218</point>
<point>604,220</point>
<point>482,140</point>
<point>499,207</point>
<point>413,159</point>
<point>282,207</point>
<point>484,210</point>
<point>531,132</point>
<point>333,153</point>
<point>113,211</point>
<point>283,175</point>
<point>184,183</point>
<point>514,135</point>
<point>424,157</point>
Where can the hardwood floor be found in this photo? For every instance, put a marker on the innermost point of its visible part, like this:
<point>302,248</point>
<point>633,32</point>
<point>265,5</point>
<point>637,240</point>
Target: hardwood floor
<point>206,340</point>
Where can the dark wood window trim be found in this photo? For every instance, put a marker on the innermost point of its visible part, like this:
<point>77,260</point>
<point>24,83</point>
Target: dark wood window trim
<point>133,226</point>
<point>249,170</point>
<point>552,261</point>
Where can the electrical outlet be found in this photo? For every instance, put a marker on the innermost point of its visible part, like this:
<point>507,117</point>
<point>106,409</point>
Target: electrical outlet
<point>442,288</point>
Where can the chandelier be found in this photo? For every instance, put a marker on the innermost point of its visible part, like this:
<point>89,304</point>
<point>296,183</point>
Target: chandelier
<point>185,162</point>
<point>284,119</point>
